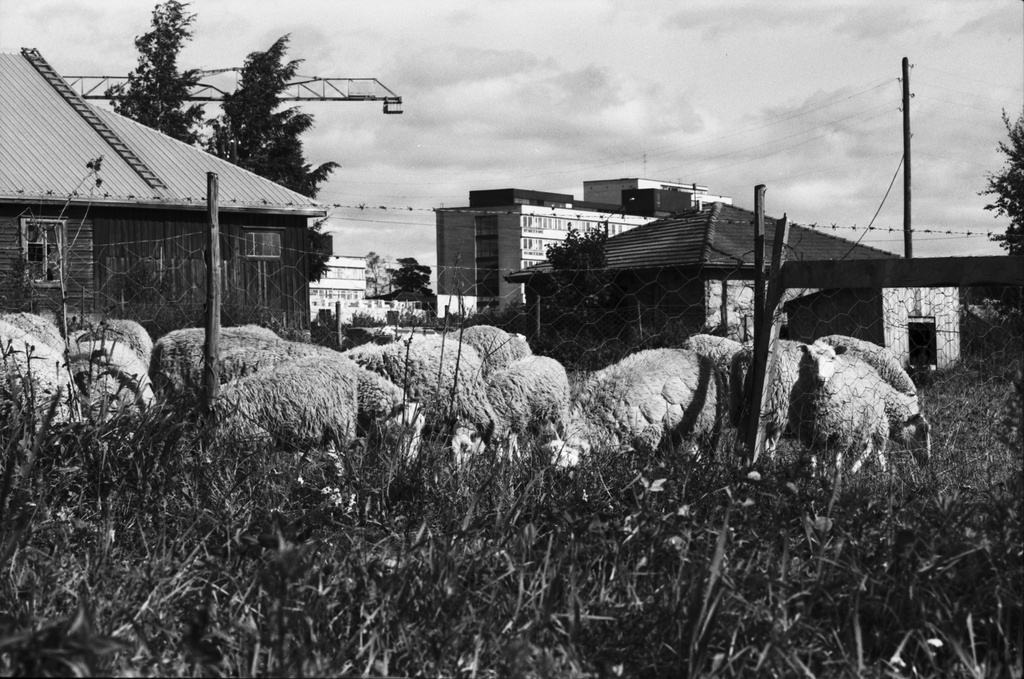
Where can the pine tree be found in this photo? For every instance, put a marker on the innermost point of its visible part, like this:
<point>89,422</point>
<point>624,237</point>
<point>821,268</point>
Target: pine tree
<point>411,277</point>
<point>1008,187</point>
<point>156,90</point>
<point>254,134</point>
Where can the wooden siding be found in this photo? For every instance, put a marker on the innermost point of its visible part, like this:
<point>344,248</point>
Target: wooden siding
<point>168,246</point>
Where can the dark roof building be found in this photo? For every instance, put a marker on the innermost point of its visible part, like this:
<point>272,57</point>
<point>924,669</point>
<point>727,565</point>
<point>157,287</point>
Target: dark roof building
<point>697,267</point>
<point>719,238</point>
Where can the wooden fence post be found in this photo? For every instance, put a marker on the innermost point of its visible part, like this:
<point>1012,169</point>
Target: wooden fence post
<point>338,328</point>
<point>766,336</point>
<point>536,309</point>
<point>211,347</point>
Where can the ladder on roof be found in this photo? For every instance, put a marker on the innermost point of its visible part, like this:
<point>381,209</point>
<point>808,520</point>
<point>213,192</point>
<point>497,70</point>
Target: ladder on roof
<point>120,147</point>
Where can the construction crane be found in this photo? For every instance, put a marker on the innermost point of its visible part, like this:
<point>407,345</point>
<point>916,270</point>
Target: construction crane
<point>303,88</point>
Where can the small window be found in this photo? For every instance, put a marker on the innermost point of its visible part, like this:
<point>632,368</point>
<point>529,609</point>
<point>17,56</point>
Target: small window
<point>263,245</point>
<point>42,247</point>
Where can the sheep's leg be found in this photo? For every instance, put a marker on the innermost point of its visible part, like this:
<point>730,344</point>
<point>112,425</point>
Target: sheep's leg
<point>865,454</point>
<point>882,459</point>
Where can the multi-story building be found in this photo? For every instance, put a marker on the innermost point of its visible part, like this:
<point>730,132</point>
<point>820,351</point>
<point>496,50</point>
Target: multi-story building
<point>345,282</point>
<point>504,230</point>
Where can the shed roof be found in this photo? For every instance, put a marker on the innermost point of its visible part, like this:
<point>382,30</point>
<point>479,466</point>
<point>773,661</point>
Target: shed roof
<point>719,236</point>
<point>45,144</point>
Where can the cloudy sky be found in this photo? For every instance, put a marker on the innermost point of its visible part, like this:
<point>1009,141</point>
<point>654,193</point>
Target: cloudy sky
<point>799,95</point>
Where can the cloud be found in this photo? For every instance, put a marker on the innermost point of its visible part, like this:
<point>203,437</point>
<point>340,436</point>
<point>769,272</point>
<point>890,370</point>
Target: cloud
<point>715,21</point>
<point>448,65</point>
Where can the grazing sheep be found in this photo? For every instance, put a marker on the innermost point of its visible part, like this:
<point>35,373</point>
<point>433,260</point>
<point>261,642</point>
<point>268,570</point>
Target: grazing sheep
<point>105,370</point>
<point>313,401</point>
<point>31,372</point>
<point>530,397</point>
<point>120,330</point>
<point>36,326</point>
<point>444,377</point>
<point>648,401</point>
<point>776,408</point>
<point>878,357</point>
<point>842,405</point>
<point>498,349</point>
<point>177,361</point>
<point>722,351</point>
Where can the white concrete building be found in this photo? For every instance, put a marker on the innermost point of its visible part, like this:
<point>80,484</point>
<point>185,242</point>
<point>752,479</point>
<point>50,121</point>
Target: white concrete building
<point>345,282</point>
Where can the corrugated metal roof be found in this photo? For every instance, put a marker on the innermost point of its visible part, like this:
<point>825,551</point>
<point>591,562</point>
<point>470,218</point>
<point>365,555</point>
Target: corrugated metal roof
<point>719,236</point>
<point>45,145</point>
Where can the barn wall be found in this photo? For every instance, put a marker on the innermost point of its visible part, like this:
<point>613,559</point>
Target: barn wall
<point>78,249</point>
<point>905,305</point>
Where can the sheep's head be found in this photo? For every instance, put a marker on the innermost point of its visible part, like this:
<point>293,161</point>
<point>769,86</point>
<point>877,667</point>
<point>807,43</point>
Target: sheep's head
<point>819,360</point>
<point>404,428</point>
<point>916,436</point>
<point>562,455</point>
<point>467,442</point>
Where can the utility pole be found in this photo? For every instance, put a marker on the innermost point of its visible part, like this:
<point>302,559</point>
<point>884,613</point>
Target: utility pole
<point>908,245</point>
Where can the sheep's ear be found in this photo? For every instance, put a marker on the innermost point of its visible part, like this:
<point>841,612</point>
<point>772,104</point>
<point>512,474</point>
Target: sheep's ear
<point>841,349</point>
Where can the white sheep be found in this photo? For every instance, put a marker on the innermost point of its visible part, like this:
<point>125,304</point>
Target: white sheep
<point>649,401</point>
<point>32,373</point>
<point>776,408</point>
<point>444,377</point>
<point>842,405</point>
<point>721,350</point>
<point>178,357</point>
<point>107,370</point>
<point>878,357</point>
<point>119,330</point>
<point>497,348</point>
<point>530,397</point>
<point>313,401</point>
<point>37,326</point>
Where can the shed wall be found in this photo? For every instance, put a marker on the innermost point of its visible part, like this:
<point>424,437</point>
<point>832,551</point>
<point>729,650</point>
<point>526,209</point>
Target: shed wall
<point>905,305</point>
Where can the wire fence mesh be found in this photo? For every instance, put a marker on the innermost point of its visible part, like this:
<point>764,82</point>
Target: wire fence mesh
<point>587,322</point>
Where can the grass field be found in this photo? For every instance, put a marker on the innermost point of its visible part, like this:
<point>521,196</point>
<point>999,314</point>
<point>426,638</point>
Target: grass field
<point>132,548</point>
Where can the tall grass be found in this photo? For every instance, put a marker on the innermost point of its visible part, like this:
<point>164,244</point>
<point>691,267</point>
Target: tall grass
<point>129,546</point>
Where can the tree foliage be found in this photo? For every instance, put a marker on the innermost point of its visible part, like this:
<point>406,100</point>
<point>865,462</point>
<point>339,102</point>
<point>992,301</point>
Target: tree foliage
<point>579,276</point>
<point>253,133</point>
<point>378,275</point>
<point>1008,188</point>
<point>411,277</point>
<point>156,91</point>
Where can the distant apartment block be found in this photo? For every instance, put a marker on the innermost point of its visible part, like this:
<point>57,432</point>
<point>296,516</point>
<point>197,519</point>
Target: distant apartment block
<point>504,230</point>
<point>345,282</point>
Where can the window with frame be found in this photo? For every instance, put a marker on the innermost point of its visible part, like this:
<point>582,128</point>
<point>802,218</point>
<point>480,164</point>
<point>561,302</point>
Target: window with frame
<point>263,244</point>
<point>43,246</point>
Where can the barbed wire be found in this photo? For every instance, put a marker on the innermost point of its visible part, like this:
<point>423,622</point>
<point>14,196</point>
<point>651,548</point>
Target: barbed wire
<point>588,218</point>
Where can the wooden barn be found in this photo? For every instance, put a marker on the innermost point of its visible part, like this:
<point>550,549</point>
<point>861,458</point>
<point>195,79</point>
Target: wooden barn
<point>698,266</point>
<point>126,235</point>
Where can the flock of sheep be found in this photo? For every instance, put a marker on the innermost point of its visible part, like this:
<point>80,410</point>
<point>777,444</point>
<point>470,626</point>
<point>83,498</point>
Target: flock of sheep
<point>476,389</point>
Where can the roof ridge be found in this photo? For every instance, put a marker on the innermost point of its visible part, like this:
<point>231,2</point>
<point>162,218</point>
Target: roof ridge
<point>853,244</point>
<point>89,115</point>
